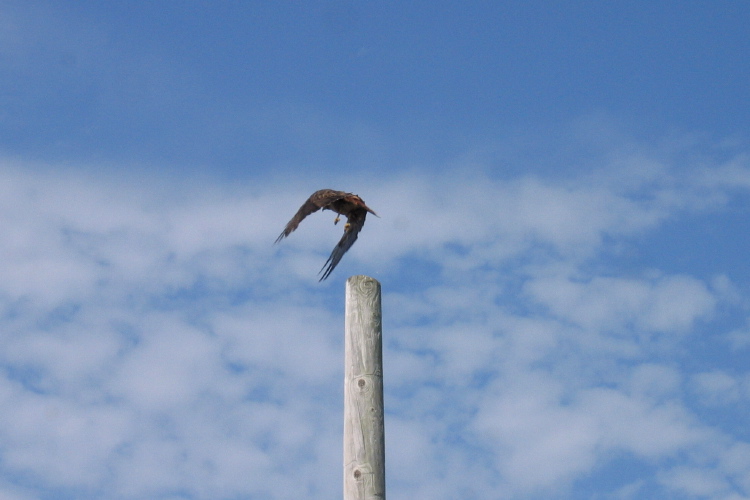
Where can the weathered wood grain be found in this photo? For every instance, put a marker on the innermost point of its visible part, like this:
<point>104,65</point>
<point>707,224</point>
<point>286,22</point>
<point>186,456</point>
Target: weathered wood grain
<point>364,430</point>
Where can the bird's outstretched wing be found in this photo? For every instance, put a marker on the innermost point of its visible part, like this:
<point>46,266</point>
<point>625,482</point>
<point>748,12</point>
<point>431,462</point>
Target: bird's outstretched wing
<point>355,221</point>
<point>315,202</point>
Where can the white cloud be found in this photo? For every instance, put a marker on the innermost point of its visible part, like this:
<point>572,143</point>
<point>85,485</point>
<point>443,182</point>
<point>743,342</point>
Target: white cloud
<point>154,343</point>
<point>717,388</point>
<point>696,482</point>
<point>662,304</point>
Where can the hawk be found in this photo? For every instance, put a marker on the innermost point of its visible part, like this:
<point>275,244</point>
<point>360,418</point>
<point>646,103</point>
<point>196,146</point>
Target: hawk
<point>342,203</point>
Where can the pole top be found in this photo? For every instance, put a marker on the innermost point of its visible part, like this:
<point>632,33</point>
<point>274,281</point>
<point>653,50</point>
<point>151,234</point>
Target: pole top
<point>361,277</point>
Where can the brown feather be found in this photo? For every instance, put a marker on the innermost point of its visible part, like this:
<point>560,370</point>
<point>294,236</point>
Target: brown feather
<point>347,204</point>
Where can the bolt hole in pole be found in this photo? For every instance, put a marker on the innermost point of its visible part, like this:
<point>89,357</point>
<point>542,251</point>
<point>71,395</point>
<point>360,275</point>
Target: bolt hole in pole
<point>364,429</point>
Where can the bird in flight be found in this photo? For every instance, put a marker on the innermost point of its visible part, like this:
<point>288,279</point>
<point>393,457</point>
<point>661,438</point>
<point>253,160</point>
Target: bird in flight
<point>347,204</point>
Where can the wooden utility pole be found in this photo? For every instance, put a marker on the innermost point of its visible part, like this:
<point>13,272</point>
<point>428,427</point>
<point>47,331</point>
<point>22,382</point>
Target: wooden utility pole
<point>364,432</point>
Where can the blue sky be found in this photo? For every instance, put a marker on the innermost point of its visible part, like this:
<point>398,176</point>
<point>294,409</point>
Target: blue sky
<point>564,201</point>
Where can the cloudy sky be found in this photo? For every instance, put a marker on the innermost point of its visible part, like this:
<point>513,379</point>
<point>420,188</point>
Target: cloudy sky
<point>564,201</point>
